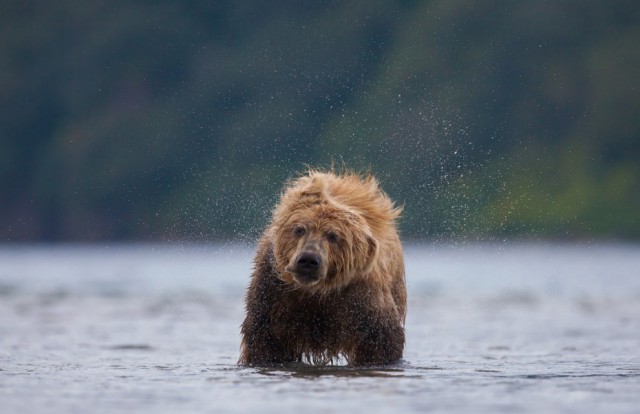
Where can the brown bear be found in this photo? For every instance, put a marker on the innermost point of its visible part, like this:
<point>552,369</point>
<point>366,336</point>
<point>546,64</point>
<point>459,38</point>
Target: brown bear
<point>328,282</point>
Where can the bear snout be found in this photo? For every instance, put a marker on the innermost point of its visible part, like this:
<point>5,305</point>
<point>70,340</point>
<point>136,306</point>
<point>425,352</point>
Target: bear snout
<point>308,262</point>
<point>307,267</point>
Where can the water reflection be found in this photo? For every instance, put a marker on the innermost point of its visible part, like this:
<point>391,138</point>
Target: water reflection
<point>300,370</point>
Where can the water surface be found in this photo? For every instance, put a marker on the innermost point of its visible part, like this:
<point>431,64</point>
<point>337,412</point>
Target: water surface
<point>490,328</point>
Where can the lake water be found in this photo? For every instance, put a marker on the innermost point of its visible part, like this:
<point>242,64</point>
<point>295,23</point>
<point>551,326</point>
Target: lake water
<point>490,328</point>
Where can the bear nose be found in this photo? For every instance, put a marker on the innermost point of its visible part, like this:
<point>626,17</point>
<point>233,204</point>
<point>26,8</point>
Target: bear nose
<point>308,261</point>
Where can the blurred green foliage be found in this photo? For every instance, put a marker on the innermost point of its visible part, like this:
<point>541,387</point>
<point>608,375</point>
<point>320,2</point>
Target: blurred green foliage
<point>163,120</point>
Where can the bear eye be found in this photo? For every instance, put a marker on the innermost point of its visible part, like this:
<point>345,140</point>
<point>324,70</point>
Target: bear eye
<point>332,237</point>
<point>299,231</point>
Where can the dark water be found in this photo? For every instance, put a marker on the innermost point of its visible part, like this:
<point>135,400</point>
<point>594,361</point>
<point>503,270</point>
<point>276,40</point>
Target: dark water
<point>491,328</point>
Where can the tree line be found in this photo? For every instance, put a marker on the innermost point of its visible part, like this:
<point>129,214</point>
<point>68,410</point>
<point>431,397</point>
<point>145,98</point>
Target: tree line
<point>168,120</point>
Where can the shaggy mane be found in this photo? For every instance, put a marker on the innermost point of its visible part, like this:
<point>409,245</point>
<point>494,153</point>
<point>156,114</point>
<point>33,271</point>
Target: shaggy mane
<point>356,192</point>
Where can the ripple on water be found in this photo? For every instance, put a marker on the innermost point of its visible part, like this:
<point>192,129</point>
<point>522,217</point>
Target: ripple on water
<point>486,332</point>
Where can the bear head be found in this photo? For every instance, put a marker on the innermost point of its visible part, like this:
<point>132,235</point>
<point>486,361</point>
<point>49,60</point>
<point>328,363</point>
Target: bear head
<point>319,243</point>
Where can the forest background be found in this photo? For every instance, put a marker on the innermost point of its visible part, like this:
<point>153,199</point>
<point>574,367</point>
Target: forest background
<point>163,120</point>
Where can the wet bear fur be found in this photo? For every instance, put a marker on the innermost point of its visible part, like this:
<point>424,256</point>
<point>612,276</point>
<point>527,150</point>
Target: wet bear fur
<point>328,282</point>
